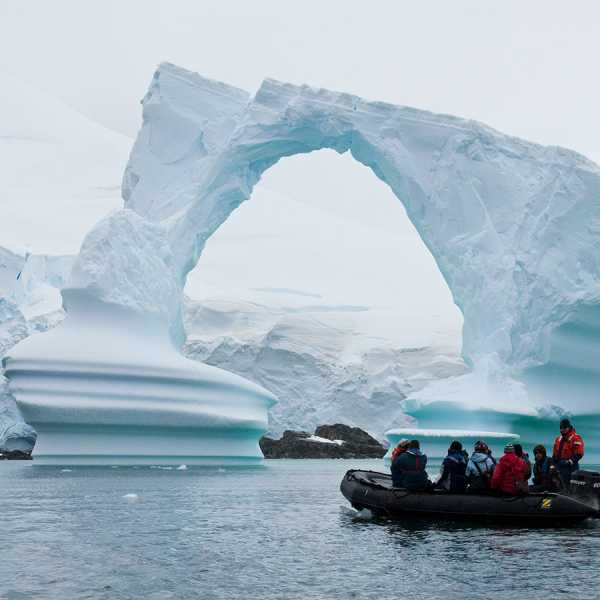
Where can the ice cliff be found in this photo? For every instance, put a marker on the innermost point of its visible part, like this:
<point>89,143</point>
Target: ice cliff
<point>30,302</point>
<point>313,365</point>
<point>513,227</point>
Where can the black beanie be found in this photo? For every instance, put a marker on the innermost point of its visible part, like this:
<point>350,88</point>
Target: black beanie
<point>455,446</point>
<point>565,423</point>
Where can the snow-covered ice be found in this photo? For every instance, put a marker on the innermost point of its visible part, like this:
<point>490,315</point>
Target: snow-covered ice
<point>322,440</point>
<point>513,227</point>
<point>15,434</point>
<point>437,441</point>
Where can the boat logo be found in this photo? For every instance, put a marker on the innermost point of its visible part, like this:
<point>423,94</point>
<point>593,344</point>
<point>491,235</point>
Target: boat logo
<point>546,504</point>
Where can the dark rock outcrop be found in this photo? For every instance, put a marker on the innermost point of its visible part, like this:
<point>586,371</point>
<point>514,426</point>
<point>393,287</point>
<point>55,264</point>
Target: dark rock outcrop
<point>345,442</point>
<point>15,455</point>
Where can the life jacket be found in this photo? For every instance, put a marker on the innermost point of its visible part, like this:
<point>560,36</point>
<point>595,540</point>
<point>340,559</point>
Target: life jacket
<point>568,447</point>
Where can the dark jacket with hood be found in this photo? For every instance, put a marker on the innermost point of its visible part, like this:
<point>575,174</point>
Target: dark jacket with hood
<point>545,474</point>
<point>408,470</point>
<point>453,477</point>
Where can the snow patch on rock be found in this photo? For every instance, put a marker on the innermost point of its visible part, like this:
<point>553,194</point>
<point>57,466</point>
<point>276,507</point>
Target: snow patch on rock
<point>322,440</point>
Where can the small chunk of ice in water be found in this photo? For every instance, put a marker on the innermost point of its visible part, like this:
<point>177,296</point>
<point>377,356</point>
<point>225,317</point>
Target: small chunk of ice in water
<point>131,497</point>
<point>182,468</point>
<point>362,515</point>
<point>66,470</point>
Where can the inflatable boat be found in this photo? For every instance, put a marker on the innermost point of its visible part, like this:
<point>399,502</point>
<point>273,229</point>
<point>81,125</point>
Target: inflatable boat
<point>372,490</point>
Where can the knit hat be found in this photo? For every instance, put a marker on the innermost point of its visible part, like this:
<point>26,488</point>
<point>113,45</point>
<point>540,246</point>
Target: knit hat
<point>403,443</point>
<point>481,446</point>
<point>565,423</point>
<point>455,446</point>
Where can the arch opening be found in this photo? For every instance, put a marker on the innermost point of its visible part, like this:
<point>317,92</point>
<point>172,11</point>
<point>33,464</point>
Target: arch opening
<point>320,289</point>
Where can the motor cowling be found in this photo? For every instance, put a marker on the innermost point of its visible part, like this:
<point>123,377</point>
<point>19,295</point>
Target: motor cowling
<point>586,484</point>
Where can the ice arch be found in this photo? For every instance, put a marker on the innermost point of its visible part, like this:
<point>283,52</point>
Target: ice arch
<point>512,225</point>
<point>307,292</point>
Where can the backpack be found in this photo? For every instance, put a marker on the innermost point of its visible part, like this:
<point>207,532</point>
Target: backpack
<point>482,481</point>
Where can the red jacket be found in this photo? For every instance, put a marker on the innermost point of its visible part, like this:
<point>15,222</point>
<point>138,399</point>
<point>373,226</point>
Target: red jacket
<point>572,447</point>
<point>508,471</point>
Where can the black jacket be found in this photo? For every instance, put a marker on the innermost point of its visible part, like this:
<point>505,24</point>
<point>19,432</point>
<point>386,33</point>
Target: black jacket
<point>453,473</point>
<point>546,475</point>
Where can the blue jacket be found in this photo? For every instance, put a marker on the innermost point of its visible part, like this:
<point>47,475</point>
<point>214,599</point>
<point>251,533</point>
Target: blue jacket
<point>408,470</point>
<point>480,469</point>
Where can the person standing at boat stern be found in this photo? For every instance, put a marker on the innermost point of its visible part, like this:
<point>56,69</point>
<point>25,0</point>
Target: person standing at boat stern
<point>452,477</point>
<point>568,451</point>
<point>480,468</point>
<point>408,469</point>
<point>509,474</point>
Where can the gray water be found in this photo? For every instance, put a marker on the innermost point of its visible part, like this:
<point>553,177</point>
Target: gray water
<point>278,531</point>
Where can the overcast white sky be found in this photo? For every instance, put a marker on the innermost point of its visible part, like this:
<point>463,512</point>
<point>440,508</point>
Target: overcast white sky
<point>526,68</point>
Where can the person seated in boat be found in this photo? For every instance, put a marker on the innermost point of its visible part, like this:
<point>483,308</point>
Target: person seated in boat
<point>523,455</point>
<point>545,474</point>
<point>509,474</point>
<point>408,470</point>
<point>567,452</point>
<point>480,468</point>
<point>452,475</point>
<point>400,448</point>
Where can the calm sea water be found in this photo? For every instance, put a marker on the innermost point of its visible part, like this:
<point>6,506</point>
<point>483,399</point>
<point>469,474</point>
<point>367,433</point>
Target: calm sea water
<point>278,531</point>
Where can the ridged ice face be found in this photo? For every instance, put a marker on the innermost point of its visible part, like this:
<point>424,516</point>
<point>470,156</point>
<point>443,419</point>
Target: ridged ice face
<point>513,226</point>
<point>494,210</point>
<point>107,384</point>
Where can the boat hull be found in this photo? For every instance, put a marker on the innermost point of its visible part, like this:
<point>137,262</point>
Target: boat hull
<point>374,491</point>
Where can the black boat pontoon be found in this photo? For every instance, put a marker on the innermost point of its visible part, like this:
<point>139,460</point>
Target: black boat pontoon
<point>372,490</point>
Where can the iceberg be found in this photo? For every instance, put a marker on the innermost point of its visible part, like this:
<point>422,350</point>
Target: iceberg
<point>512,225</point>
<point>30,302</point>
<point>437,441</point>
<point>15,434</point>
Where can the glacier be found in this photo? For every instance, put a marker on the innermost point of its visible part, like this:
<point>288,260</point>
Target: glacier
<point>61,173</point>
<point>512,226</point>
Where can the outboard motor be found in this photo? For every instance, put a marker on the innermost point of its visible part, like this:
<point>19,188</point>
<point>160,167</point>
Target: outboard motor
<point>585,485</point>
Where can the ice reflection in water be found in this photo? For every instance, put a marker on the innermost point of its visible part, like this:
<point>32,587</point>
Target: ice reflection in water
<point>279,531</point>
